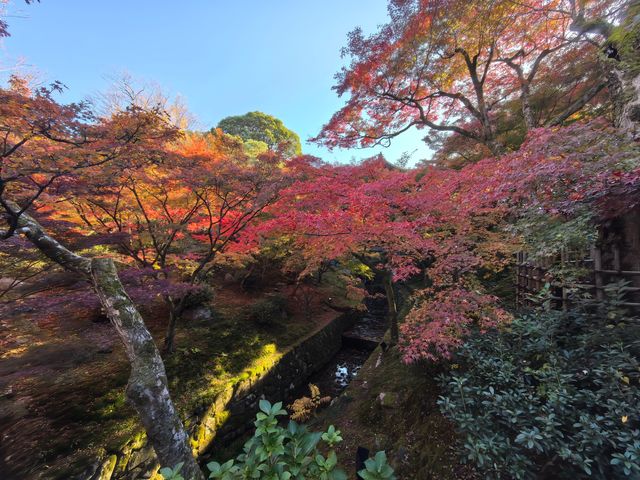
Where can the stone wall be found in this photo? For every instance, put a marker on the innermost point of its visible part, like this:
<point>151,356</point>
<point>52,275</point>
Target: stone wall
<point>231,414</point>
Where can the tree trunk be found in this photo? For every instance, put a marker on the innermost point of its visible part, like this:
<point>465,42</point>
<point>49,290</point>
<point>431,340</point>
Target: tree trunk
<point>629,118</point>
<point>623,74</point>
<point>623,77</point>
<point>577,105</point>
<point>147,389</point>
<point>497,148</point>
<point>175,312</point>
<point>527,111</point>
<point>624,86</point>
<point>393,308</point>
<point>621,63</point>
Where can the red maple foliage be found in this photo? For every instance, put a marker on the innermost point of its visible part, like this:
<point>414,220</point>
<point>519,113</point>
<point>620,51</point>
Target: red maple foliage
<point>559,173</point>
<point>452,66</point>
<point>457,220</point>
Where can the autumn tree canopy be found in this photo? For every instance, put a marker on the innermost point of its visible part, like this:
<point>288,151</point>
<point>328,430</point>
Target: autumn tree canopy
<point>453,67</point>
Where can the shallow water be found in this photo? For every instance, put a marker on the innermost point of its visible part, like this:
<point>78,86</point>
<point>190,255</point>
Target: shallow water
<point>336,375</point>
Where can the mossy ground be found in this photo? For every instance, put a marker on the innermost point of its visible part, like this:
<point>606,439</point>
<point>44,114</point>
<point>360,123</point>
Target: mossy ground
<point>62,398</point>
<point>420,443</point>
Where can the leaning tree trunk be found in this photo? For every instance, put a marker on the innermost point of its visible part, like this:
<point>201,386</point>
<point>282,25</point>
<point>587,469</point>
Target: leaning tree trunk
<point>147,389</point>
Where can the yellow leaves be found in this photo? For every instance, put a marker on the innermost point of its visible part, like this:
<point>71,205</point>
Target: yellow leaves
<point>624,419</point>
<point>13,352</point>
<point>269,349</point>
<point>623,378</point>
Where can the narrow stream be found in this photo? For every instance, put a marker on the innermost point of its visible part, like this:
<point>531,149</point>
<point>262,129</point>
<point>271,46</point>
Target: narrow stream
<point>357,344</point>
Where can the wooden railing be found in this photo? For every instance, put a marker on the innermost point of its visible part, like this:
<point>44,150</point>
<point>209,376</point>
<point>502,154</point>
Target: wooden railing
<point>600,268</point>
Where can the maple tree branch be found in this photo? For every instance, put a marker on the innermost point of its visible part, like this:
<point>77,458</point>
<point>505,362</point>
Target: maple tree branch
<point>538,61</point>
<point>29,227</point>
<point>577,104</point>
<point>465,100</point>
<point>487,64</point>
<point>17,145</point>
<point>424,120</point>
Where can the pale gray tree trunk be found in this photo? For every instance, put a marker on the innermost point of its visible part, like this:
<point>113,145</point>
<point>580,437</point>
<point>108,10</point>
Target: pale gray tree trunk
<point>147,389</point>
<point>621,47</point>
<point>624,86</point>
<point>624,77</point>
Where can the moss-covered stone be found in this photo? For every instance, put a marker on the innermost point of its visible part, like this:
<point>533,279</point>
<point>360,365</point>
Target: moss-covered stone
<point>106,470</point>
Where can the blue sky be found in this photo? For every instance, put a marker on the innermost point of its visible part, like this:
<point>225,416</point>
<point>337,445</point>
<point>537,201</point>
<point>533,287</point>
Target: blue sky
<point>224,57</point>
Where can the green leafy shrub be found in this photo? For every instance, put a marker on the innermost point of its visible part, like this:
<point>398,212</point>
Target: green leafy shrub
<point>377,468</point>
<point>281,453</point>
<point>172,473</point>
<point>291,453</point>
<point>554,395</point>
<point>268,310</point>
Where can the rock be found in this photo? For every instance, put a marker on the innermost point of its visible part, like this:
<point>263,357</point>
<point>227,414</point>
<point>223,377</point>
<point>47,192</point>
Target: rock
<point>104,345</point>
<point>140,459</point>
<point>106,470</point>
<point>378,360</point>
<point>381,442</point>
<point>201,313</point>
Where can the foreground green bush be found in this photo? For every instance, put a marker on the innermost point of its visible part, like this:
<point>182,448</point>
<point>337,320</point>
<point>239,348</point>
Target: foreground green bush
<point>291,453</point>
<point>555,395</point>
